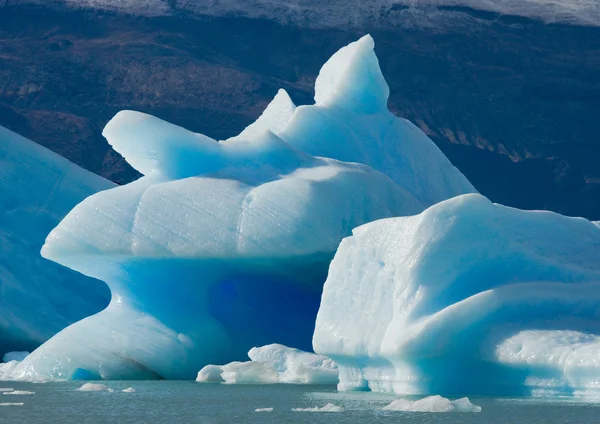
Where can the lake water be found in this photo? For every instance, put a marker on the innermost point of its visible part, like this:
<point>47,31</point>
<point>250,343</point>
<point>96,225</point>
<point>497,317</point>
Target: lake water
<point>190,402</point>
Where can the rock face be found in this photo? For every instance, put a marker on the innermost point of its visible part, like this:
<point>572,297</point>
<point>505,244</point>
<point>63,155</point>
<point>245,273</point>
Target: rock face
<point>222,246</point>
<point>37,297</point>
<point>512,102</point>
<point>468,297</point>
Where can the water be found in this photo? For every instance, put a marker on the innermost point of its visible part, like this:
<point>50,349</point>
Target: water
<point>190,402</point>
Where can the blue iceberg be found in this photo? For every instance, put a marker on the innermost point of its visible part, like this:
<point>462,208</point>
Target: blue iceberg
<point>38,298</point>
<point>468,297</point>
<point>222,246</point>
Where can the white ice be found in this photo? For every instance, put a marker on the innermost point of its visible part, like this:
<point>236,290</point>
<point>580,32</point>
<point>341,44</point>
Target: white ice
<point>468,297</point>
<point>330,407</point>
<point>245,227</point>
<point>433,404</point>
<point>128,390</point>
<point>19,392</point>
<point>274,364</point>
<point>93,387</point>
<point>263,410</point>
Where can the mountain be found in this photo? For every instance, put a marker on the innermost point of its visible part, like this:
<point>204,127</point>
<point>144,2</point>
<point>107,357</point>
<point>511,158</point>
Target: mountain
<point>512,100</point>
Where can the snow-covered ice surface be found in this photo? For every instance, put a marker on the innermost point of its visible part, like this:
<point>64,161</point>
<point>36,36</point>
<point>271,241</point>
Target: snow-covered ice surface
<point>37,189</point>
<point>433,404</point>
<point>274,364</point>
<point>222,246</point>
<point>468,297</point>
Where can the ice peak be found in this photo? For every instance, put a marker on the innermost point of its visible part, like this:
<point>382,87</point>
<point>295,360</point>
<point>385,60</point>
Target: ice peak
<point>275,117</point>
<point>352,78</point>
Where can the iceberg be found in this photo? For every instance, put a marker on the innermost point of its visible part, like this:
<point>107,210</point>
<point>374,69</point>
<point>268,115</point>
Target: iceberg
<point>468,297</point>
<point>222,246</point>
<point>274,364</point>
<point>38,188</point>
<point>433,404</point>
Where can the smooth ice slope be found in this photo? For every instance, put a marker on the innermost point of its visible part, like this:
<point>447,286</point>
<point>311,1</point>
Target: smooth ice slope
<point>351,121</point>
<point>225,246</point>
<point>468,297</point>
<point>274,364</point>
<point>38,298</point>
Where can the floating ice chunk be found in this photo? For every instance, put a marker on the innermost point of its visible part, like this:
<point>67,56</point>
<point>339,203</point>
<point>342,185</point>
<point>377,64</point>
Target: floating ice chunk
<point>263,410</point>
<point>6,389</point>
<point>272,364</point>
<point>210,374</point>
<point>14,356</point>
<point>93,387</point>
<point>128,390</point>
<point>249,373</point>
<point>7,370</point>
<point>19,392</point>
<point>330,407</point>
<point>11,404</point>
<point>296,366</point>
<point>37,189</point>
<point>433,404</point>
<point>467,297</point>
<point>465,405</point>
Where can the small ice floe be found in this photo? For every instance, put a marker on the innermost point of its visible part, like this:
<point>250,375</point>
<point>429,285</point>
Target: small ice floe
<point>11,404</point>
<point>19,392</point>
<point>263,410</point>
<point>128,390</point>
<point>5,389</point>
<point>109,390</point>
<point>433,404</point>
<point>274,364</point>
<point>94,387</point>
<point>330,407</point>
<point>210,374</point>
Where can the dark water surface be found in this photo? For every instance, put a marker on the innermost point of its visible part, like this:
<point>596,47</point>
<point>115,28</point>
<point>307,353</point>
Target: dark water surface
<point>190,402</point>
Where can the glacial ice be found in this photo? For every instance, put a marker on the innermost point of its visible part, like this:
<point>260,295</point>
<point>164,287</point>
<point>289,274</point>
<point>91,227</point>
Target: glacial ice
<point>330,407</point>
<point>225,245</point>
<point>468,297</point>
<point>37,189</point>
<point>274,364</point>
<point>263,410</point>
<point>19,392</point>
<point>128,390</point>
<point>433,404</point>
<point>93,387</point>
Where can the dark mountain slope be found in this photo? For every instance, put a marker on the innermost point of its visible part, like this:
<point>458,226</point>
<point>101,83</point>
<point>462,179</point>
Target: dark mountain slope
<point>513,102</point>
